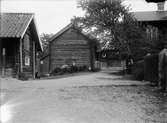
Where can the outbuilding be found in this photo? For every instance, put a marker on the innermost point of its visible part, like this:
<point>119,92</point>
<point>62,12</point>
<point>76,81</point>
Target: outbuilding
<point>69,47</point>
<point>19,44</point>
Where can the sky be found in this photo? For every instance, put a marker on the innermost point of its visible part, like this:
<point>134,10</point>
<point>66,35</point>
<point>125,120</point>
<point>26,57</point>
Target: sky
<point>52,15</point>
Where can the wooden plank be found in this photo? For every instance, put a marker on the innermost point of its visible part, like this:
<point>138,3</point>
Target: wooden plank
<point>21,55</point>
<point>34,61</point>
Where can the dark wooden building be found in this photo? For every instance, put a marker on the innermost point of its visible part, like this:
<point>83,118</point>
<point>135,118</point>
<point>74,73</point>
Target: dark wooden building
<point>69,46</point>
<point>19,44</point>
<point>154,23</point>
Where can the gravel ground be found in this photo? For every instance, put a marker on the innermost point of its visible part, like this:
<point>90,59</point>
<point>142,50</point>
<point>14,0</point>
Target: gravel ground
<point>87,98</point>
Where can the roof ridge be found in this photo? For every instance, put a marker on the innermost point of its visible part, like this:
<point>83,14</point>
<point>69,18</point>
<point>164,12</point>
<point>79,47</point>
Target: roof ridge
<point>26,13</point>
<point>60,32</point>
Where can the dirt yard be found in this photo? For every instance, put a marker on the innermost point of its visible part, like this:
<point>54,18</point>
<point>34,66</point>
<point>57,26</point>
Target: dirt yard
<point>87,98</point>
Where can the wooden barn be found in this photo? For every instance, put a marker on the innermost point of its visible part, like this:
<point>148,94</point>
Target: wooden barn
<point>68,47</point>
<point>19,44</point>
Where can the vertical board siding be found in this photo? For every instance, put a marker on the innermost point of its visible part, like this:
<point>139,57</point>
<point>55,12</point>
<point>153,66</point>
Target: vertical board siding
<point>28,69</point>
<point>70,47</point>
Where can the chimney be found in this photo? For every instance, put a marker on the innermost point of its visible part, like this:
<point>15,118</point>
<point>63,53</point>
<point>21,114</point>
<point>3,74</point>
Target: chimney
<point>160,6</point>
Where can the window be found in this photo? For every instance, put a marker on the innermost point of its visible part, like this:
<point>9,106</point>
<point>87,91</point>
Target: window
<point>27,60</point>
<point>152,32</point>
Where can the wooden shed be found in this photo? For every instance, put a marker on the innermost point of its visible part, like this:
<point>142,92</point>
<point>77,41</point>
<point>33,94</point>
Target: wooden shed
<point>19,44</point>
<point>70,46</point>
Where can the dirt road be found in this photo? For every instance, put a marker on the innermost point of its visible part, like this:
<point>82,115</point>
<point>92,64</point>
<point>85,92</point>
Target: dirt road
<point>87,98</point>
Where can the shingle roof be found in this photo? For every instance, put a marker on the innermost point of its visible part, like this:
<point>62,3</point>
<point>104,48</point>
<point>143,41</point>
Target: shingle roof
<point>61,31</point>
<point>14,24</point>
<point>71,25</point>
<point>150,15</point>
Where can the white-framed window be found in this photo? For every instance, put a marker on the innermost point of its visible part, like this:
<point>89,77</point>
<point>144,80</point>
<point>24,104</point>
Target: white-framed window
<point>41,62</point>
<point>27,60</point>
<point>152,32</point>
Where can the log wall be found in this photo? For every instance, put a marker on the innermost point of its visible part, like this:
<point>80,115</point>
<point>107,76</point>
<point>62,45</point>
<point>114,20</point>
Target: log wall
<point>28,69</point>
<point>70,47</point>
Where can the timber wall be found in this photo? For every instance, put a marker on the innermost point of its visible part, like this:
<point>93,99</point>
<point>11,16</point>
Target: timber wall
<point>70,47</point>
<point>28,69</point>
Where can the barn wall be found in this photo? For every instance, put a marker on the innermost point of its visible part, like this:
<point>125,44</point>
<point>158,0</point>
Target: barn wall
<point>70,47</point>
<point>28,69</point>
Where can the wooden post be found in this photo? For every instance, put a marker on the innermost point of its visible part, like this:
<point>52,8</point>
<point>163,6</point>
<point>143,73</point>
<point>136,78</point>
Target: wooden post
<point>3,61</point>
<point>34,61</point>
<point>0,57</point>
<point>91,57</point>
<point>21,56</point>
<point>50,52</point>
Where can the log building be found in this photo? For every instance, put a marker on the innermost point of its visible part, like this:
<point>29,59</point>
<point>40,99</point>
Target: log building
<point>67,47</point>
<point>19,44</point>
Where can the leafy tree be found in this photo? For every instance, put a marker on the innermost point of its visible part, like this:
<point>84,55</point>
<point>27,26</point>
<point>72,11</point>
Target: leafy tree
<point>45,39</point>
<point>111,23</point>
<point>45,43</point>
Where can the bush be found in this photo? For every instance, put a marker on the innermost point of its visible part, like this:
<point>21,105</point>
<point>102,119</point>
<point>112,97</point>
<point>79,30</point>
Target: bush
<point>74,69</point>
<point>56,71</point>
<point>138,70</point>
<point>96,70</point>
<point>22,76</point>
<point>68,69</point>
<point>83,68</point>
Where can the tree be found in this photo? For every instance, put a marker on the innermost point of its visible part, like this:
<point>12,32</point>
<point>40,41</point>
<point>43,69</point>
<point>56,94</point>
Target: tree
<point>45,39</point>
<point>111,22</point>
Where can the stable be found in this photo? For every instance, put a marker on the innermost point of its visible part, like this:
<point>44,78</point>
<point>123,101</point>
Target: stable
<point>19,44</point>
<point>69,47</point>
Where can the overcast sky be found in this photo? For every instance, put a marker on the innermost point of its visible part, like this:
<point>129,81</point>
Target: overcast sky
<point>52,15</point>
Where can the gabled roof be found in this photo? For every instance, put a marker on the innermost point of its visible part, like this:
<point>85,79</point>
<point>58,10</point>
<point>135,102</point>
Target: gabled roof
<point>71,25</point>
<point>150,16</point>
<point>61,31</point>
<point>14,25</point>
<point>47,52</point>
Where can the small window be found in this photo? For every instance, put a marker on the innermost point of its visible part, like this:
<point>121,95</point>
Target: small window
<point>41,62</point>
<point>152,33</point>
<point>27,60</point>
